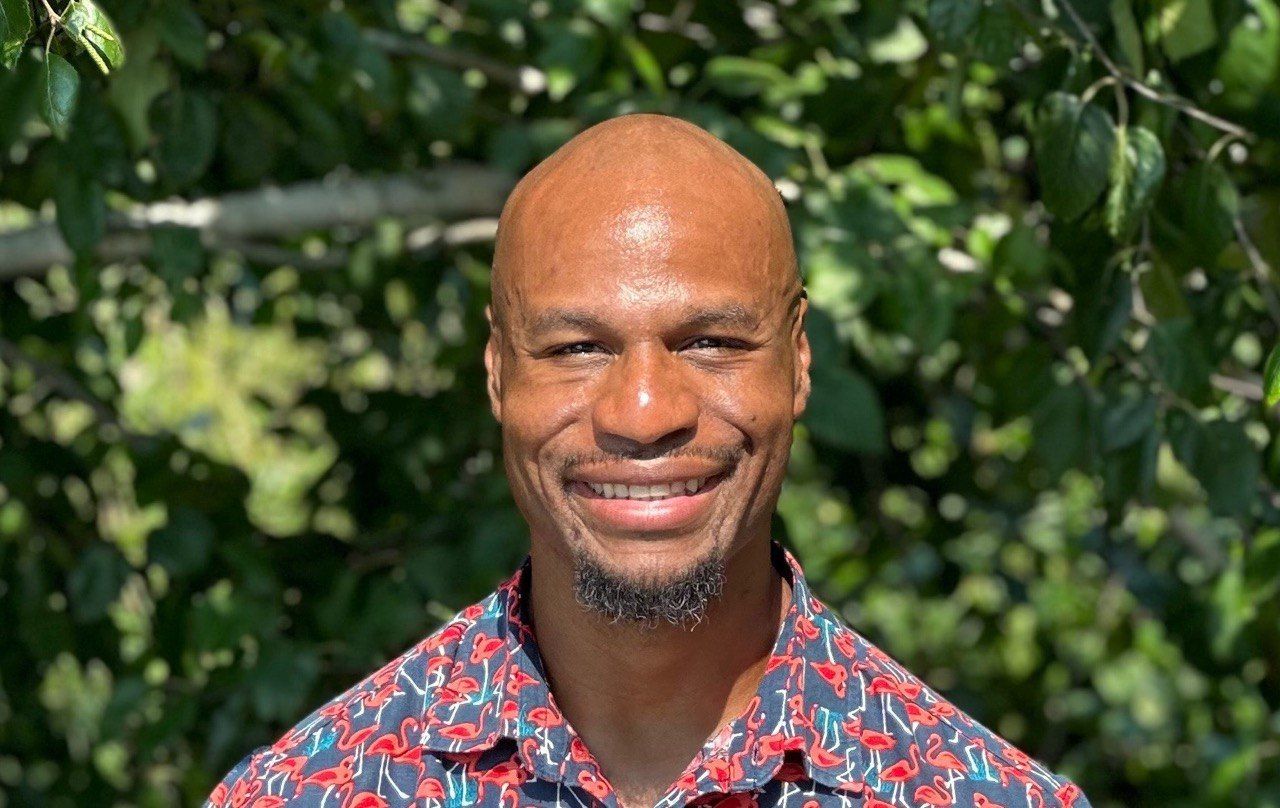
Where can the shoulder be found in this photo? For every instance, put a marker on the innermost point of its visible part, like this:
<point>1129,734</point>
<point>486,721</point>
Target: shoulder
<point>916,742</point>
<point>319,749</point>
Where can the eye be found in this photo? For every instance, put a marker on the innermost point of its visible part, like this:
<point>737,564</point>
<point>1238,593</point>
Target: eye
<point>704,343</point>
<point>575,348</point>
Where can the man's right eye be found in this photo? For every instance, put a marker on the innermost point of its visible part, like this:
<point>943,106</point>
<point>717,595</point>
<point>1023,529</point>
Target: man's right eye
<point>575,348</point>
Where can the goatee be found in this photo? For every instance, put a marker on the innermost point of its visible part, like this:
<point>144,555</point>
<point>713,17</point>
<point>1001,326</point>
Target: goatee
<point>646,602</point>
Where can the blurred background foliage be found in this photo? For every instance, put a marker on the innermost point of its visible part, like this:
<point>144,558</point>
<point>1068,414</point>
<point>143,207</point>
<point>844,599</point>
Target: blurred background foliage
<point>245,453</point>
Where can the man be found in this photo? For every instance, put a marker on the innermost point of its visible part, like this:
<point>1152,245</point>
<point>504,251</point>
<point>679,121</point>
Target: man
<point>647,361</point>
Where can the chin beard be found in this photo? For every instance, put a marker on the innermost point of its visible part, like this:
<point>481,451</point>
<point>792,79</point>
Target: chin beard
<point>644,603</point>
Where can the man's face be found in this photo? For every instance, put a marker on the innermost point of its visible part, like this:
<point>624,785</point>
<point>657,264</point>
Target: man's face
<point>647,365</point>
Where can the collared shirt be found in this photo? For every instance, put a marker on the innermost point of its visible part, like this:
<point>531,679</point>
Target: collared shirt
<point>466,718</point>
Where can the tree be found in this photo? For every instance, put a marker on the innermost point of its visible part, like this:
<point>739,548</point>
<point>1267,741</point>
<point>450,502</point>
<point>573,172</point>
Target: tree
<point>244,448</point>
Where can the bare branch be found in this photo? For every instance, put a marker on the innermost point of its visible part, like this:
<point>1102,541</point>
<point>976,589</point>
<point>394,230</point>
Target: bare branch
<point>1147,91</point>
<point>527,79</point>
<point>1244,388</point>
<point>446,193</point>
<point>695,31</point>
<point>423,240</point>
<point>1261,270</point>
<point>54,17</point>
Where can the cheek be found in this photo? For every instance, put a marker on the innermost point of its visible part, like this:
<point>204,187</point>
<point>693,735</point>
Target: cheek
<point>536,414</point>
<point>759,403</point>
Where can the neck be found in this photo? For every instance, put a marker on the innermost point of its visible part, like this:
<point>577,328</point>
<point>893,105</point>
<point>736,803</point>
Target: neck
<point>650,697</point>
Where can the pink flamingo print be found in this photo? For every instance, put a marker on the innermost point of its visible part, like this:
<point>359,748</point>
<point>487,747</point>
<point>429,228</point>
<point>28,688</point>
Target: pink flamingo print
<point>937,794</point>
<point>903,770</point>
<point>939,759</point>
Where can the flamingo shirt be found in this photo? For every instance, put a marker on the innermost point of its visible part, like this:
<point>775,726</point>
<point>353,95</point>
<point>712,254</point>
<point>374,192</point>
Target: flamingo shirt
<point>466,718</point>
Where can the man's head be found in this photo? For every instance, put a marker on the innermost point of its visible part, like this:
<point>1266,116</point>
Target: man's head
<point>647,360</point>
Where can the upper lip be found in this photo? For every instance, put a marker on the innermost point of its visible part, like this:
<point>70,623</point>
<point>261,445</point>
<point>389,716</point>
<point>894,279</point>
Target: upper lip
<point>668,471</point>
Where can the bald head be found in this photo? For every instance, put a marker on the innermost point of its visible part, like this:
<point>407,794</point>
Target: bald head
<point>638,183</point>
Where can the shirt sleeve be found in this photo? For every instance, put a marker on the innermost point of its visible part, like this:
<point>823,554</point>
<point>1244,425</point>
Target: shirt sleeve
<point>218,797</point>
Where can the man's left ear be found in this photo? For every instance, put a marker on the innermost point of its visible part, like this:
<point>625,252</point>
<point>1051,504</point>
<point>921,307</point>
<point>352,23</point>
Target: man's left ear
<point>804,358</point>
<point>493,365</point>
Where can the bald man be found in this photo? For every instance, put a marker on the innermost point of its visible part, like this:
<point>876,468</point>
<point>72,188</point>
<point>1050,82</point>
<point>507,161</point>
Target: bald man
<point>647,360</point>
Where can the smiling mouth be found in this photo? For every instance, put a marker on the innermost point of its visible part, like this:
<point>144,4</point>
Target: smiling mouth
<point>646,492</point>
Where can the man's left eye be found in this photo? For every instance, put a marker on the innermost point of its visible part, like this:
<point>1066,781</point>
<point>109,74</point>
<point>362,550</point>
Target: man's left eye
<point>710,342</point>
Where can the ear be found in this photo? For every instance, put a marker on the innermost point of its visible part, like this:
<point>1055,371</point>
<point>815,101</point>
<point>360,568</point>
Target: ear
<point>803,358</point>
<point>493,365</point>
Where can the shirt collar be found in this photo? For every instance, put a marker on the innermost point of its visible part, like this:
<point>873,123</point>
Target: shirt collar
<point>494,686</point>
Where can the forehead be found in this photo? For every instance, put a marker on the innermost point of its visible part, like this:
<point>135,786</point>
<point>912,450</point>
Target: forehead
<point>656,254</point>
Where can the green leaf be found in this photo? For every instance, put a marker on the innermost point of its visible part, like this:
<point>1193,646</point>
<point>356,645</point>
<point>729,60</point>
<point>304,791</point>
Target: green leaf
<point>1207,204</point>
<point>999,34</point>
<point>1177,350</point>
<point>59,85</point>
<point>1125,421</point>
<point>95,581</point>
<point>177,253</point>
<point>81,210</point>
<point>1161,290</point>
<point>183,33</point>
<point>1127,35</point>
<point>612,14</point>
<point>843,410</point>
<point>439,100</point>
<point>645,65</point>
<point>1060,423</point>
<point>1020,257</point>
<point>186,124</point>
<point>1250,60</point>
<point>15,27</point>
<point>182,546</point>
<point>1271,378</point>
<point>571,53</point>
<point>1105,311</point>
<point>1074,145</point>
<point>1186,27</point>
<point>320,141</point>
<point>952,20</point>
<point>96,146</point>
<point>135,86</point>
<point>250,139</point>
<point>1224,461</point>
<point>93,30</point>
<point>902,45</point>
<point>742,76</point>
<point>1137,169</point>
<point>341,37</point>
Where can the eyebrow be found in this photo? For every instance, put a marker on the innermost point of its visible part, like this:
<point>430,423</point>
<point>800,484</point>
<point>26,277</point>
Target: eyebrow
<point>730,315</point>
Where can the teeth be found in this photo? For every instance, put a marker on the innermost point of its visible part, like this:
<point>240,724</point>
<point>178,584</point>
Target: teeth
<point>646,492</point>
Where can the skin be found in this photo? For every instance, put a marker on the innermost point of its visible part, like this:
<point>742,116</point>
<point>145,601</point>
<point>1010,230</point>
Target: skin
<point>648,323</point>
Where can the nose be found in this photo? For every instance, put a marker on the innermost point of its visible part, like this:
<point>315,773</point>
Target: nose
<point>645,404</point>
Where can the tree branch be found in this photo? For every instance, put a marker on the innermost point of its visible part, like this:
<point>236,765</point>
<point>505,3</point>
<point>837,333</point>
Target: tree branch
<point>1261,271</point>
<point>1146,91</point>
<point>452,192</point>
<point>419,242</point>
<point>1247,389</point>
<point>527,79</point>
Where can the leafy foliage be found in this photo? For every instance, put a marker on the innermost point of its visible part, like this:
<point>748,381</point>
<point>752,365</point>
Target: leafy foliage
<point>237,471</point>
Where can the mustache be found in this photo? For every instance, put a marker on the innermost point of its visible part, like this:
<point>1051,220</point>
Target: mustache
<point>728,455</point>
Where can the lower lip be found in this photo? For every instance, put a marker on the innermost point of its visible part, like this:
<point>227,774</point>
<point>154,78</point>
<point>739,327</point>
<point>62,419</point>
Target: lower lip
<point>648,515</point>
